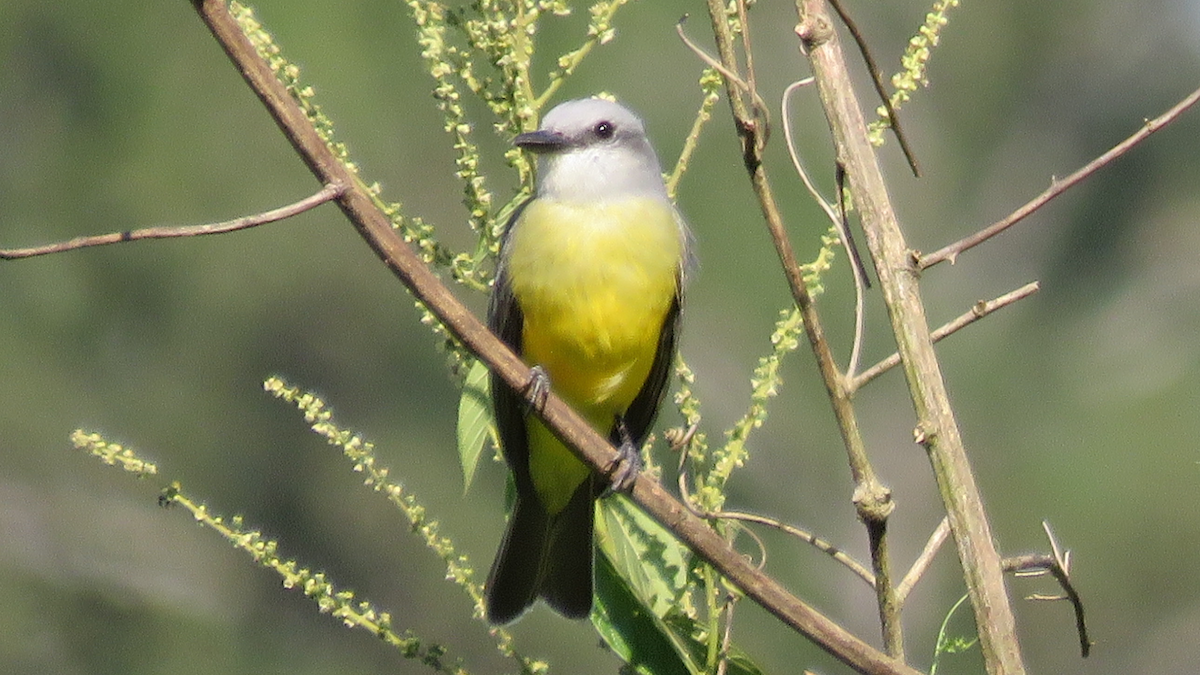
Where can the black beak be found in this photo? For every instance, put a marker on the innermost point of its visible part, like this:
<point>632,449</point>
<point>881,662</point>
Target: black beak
<point>540,141</point>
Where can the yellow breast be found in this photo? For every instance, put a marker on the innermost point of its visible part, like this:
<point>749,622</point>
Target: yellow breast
<point>595,283</point>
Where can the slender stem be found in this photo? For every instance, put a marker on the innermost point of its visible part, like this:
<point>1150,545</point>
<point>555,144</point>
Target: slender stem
<point>977,312</point>
<point>590,447</point>
<point>877,82</point>
<point>1058,187</point>
<point>803,535</point>
<point>838,219</point>
<point>328,193</point>
<point>923,561</point>
<point>936,427</point>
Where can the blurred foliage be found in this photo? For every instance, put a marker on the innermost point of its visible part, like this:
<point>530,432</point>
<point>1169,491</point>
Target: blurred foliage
<point>1079,405</point>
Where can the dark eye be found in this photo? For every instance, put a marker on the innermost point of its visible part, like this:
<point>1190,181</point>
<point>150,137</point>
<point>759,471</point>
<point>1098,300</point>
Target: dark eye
<point>604,130</point>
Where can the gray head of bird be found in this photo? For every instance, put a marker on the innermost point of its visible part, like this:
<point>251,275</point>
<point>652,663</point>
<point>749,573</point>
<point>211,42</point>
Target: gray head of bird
<point>591,150</point>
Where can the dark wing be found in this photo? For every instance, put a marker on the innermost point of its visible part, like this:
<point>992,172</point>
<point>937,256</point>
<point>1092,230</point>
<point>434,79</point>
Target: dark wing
<point>512,583</point>
<point>506,320</point>
<point>641,413</point>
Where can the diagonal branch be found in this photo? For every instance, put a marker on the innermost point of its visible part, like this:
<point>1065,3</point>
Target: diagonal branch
<point>923,561</point>
<point>590,446</point>
<point>977,312</point>
<point>1058,187</point>
<point>328,193</point>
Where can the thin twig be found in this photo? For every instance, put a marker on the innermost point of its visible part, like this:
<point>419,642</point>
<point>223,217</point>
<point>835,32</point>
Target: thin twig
<point>877,82</point>
<point>328,193</point>
<point>838,218</point>
<point>923,561</point>
<point>785,108</point>
<point>761,111</point>
<point>859,270</point>
<point>977,312</point>
<point>1057,187</point>
<point>1057,565</point>
<point>803,535</point>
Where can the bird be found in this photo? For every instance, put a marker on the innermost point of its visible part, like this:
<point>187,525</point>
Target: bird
<point>588,291</point>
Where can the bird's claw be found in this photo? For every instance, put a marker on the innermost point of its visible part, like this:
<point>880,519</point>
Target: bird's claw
<point>625,469</point>
<point>537,389</point>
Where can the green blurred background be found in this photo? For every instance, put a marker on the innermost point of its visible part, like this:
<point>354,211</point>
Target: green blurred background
<point>1078,405</point>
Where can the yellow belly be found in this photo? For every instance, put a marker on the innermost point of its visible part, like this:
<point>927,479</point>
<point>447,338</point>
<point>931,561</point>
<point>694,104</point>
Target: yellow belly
<point>594,284</point>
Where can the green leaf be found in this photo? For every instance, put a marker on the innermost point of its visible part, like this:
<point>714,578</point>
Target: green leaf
<point>646,555</point>
<point>643,596</point>
<point>475,420</point>
<point>641,639</point>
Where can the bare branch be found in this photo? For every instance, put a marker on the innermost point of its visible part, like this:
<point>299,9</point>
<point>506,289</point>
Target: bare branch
<point>1058,564</point>
<point>761,111</point>
<point>1048,564</point>
<point>977,312</point>
<point>1057,187</point>
<point>328,193</point>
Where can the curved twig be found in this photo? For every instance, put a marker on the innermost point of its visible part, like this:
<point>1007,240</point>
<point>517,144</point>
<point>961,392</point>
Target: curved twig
<point>838,218</point>
<point>803,535</point>
<point>328,193</point>
<point>1058,565</point>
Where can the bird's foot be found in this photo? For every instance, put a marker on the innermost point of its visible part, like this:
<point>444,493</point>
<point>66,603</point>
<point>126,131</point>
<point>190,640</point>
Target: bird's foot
<point>624,470</point>
<point>537,389</point>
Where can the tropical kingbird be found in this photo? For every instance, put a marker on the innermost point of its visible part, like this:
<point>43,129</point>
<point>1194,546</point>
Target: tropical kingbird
<point>588,291</point>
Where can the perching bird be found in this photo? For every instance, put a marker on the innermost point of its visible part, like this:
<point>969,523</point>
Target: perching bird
<point>588,290</point>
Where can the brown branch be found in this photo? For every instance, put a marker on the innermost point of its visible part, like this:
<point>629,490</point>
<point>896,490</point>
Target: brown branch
<point>328,193</point>
<point>936,428</point>
<point>977,312</point>
<point>761,111</point>
<point>1057,187</point>
<point>1058,564</point>
<point>591,447</point>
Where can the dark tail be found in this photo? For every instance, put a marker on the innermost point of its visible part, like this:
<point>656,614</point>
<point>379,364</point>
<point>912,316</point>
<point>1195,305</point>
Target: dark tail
<point>546,556</point>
